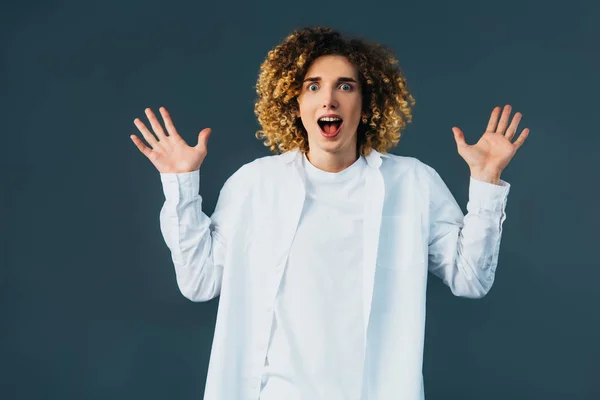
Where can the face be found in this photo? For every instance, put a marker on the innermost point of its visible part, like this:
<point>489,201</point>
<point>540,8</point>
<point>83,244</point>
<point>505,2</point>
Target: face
<point>331,90</point>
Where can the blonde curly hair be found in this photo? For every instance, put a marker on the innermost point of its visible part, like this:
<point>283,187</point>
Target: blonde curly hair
<point>386,101</point>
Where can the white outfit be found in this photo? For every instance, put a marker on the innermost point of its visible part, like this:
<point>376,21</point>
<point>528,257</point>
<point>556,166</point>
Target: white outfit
<point>317,338</point>
<point>411,225</point>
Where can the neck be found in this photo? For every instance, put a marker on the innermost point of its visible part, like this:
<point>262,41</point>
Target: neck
<point>331,162</point>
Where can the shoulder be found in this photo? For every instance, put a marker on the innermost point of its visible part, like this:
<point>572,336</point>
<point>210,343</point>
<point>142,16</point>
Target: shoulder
<point>270,161</point>
<point>251,171</point>
<point>422,178</point>
<point>265,165</point>
<point>407,164</point>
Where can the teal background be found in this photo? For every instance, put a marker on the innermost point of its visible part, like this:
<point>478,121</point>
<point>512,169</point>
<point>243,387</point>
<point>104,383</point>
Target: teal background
<point>89,305</point>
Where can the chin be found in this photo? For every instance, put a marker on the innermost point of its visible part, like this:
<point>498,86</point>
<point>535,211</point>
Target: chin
<point>331,145</point>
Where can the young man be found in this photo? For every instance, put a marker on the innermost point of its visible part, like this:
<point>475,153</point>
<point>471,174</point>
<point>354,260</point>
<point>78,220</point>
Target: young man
<point>320,254</point>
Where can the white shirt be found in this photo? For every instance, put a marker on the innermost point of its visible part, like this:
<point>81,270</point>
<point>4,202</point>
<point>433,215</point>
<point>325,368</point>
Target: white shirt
<point>315,351</point>
<point>412,225</point>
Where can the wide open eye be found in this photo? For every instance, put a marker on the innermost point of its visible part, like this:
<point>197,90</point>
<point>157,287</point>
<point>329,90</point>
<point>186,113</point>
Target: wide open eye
<point>312,85</point>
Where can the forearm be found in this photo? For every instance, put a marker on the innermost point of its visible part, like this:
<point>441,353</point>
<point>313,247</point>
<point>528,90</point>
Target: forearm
<point>186,231</point>
<point>463,250</point>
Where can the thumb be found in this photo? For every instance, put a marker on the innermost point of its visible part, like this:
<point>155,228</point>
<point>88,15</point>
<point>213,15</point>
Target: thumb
<point>459,137</point>
<point>203,137</point>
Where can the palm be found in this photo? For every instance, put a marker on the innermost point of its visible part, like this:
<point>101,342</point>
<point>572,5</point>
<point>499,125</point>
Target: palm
<point>494,150</point>
<point>170,153</point>
<point>181,157</point>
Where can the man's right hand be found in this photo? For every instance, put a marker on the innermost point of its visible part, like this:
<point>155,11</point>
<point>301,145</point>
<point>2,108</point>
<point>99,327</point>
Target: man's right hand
<point>170,154</point>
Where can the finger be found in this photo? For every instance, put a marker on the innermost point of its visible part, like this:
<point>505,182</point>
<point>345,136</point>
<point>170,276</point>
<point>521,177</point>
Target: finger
<point>145,132</point>
<point>491,127</point>
<point>156,126</point>
<point>141,146</point>
<point>459,137</point>
<point>512,129</point>
<point>168,122</point>
<point>521,139</point>
<point>504,119</point>
<point>203,137</point>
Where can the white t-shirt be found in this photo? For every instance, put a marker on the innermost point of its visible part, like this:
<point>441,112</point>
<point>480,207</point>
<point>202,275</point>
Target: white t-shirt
<point>315,351</point>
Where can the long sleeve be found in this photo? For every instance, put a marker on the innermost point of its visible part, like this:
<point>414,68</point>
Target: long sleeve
<point>198,243</point>
<point>463,250</point>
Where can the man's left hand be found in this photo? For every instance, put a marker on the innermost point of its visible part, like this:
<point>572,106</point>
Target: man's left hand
<point>494,150</point>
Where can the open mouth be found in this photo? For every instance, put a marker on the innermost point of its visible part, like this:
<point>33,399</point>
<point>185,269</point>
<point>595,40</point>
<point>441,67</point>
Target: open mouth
<point>330,126</point>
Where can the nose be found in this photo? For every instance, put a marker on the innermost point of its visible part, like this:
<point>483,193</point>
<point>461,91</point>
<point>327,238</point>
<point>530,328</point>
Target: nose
<point>329,100</point>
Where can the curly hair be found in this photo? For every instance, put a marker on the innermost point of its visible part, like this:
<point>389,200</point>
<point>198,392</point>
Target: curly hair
<point>386,101</point>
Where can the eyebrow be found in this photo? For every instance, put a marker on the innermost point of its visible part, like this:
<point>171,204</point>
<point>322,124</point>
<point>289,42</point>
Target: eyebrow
<point>340,79</point>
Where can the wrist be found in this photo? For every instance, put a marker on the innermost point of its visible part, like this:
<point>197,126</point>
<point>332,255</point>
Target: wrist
<point>492,176</point>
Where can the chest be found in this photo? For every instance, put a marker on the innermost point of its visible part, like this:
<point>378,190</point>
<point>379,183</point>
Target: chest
<point>391,207</point>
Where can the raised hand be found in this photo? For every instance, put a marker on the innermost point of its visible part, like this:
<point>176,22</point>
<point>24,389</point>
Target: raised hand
<point>169,153</point>
<point>494,150</point>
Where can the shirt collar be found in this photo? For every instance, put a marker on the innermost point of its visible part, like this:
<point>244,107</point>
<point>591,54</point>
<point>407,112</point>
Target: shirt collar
<point>373,159</point>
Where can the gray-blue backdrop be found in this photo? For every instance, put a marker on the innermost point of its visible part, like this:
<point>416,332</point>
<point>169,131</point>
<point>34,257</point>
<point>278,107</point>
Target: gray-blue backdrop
<point>88,300</point>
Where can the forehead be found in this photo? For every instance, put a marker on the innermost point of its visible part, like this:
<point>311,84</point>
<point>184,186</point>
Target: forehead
<point>332,66</point>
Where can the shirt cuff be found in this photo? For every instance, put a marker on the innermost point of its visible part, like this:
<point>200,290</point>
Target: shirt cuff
<point>487,195</point>
<point>184,185</point>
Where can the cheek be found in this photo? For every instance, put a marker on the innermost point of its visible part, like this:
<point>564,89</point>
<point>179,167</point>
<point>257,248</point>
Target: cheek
<point>356,113</point>
<point>302,108</point>
<point>305,117</point>
<point>306,111</point>
<point>355,104</point>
